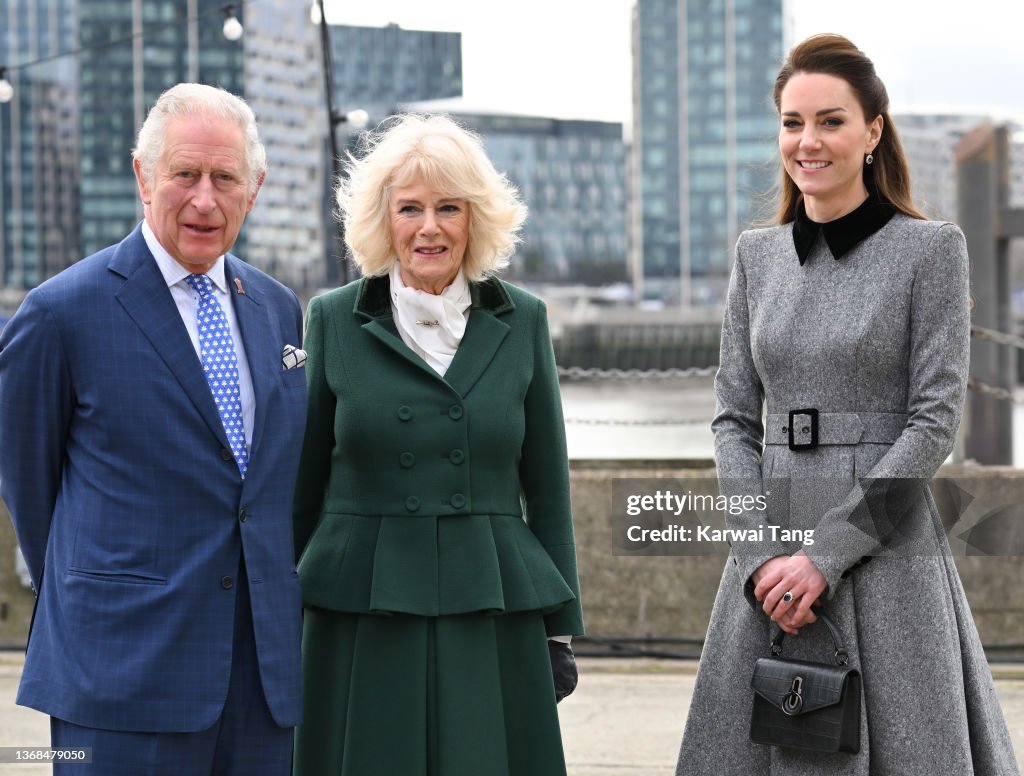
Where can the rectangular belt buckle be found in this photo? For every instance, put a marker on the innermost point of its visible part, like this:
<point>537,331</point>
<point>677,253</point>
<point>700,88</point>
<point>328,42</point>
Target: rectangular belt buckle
<point>810,413</point>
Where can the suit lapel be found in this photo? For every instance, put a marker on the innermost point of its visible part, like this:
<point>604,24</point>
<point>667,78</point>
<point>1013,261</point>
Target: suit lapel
<point>484,331</point>
<point>147,300</point>
<point>484,335</point>
<point>384,330</point>
<point>257,337</point>
<point>374,303</point>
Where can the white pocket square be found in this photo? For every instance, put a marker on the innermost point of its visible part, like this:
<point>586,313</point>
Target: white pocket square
<point>292,357</point>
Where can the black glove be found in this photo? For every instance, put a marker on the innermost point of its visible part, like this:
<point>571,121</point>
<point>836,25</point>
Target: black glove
<point>563,669</point>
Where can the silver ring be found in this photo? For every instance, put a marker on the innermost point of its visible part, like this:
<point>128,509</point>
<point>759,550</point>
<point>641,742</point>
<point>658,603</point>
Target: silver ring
<point>787,597</point>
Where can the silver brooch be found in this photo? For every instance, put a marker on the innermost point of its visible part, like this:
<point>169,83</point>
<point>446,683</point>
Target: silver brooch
<point>428,323</point>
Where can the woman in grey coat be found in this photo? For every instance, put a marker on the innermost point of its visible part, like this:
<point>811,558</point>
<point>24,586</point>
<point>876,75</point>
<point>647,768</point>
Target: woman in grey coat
<point>857,307</point>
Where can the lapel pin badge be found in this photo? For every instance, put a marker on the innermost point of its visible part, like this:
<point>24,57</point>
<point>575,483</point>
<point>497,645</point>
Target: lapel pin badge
<point>239,287</point>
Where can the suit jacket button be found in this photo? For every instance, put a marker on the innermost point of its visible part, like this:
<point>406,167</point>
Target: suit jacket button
<point>455,412</point>
<point>242,515</point>
<point>456,456</point>
<point>226,454</point>
<point>407,460</point>
<point>227,582</point>
<point>458,500</point>
<point>404,413</point>
<point>412,503</point>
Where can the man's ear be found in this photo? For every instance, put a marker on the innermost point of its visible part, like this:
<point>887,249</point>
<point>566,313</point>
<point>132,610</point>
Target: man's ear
<point>252,197</point>
<point>145,194</point>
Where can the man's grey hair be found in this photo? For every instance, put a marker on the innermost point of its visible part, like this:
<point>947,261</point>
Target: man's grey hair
<point>198,100</point>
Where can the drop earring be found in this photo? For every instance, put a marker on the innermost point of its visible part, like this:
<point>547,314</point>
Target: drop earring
<point>869,159</point>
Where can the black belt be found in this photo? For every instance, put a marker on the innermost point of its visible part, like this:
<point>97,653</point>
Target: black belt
<point>808,428</point>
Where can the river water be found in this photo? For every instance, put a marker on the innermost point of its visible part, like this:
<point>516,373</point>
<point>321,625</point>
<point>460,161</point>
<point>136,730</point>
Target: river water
<point>624,419</point>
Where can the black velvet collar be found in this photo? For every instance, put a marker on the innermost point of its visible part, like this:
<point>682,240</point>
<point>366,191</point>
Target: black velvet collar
<point>374,298</point>
<point>844,233</point>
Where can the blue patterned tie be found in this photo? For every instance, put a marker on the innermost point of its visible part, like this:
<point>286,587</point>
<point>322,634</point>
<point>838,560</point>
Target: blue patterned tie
<point>220,365</point>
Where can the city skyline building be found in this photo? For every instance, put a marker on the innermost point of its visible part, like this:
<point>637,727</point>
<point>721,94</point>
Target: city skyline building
<point>572,176</point>
<point>283,76</point>
<point>67,188</point>
<point>39,220</point>
<point>929,142</point>
<point>377,68</point>
<point>704,139</point>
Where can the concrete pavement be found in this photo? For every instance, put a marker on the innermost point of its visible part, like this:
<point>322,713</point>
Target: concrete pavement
<point>625,719</point>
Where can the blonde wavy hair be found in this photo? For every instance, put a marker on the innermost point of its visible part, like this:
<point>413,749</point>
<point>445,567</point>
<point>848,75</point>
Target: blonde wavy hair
<point>450,159</point>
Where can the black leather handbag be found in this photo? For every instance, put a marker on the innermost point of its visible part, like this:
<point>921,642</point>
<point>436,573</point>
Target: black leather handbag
<point>806,705</point>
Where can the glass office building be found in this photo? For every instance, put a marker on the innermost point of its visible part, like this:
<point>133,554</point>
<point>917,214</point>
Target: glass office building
<point>375,68</point>
<point>38,144</point>
<point>67,188</point>
<point>704,138</point>
<point>284,87</point>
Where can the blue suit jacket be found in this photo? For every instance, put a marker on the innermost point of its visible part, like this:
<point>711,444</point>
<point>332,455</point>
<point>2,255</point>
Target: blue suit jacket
<point>128,506</point>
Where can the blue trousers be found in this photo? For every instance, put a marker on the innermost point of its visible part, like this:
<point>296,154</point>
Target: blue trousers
<point>245,740</point>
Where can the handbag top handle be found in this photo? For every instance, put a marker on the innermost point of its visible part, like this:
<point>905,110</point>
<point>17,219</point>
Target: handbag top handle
<point>841,656</point>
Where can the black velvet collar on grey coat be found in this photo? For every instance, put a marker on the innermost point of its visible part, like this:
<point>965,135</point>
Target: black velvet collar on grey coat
<point>374,299</point>
<point>844,233</point>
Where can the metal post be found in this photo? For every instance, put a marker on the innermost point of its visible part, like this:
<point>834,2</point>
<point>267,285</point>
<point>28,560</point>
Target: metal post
<point>336,272</point>
<point>982,166</point>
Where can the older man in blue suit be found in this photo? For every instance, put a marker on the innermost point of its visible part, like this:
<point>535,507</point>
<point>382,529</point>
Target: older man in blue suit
<point>151,412</point>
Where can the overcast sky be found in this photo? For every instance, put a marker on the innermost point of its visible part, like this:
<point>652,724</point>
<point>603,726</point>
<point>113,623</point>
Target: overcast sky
<point>571,58</point>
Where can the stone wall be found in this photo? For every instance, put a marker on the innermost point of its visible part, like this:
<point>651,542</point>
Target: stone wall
<point>16,600</point>
<point>671,597</point>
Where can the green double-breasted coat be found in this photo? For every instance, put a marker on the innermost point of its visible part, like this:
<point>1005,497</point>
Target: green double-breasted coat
<point>426,503</point>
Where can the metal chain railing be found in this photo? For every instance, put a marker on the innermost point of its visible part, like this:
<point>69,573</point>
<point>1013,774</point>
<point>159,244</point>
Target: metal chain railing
<point>581,373</point>
<point>997,336</point>
<point>641,375</point>
<point>990,390</point>
<point>639,422</point>
<point>689,373</point>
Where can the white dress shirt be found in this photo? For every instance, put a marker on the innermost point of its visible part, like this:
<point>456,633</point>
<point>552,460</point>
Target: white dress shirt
<point>188,302</point>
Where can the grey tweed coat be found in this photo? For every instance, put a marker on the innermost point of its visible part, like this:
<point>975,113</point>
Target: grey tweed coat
<point>878,343</point>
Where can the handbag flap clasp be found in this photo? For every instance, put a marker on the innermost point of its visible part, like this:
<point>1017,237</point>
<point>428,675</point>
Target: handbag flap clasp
<point>820,685</point>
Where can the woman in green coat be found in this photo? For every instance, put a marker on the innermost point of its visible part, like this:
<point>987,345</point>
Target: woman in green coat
<point>432,517</point>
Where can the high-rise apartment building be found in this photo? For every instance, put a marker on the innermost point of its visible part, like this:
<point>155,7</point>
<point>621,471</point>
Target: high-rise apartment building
<point>704,138</point>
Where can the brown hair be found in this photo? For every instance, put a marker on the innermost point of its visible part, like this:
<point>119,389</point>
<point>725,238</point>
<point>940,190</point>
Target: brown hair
<point>835,55</point>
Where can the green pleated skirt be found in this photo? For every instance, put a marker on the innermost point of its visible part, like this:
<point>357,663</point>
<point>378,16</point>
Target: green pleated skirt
<point>403,695</point>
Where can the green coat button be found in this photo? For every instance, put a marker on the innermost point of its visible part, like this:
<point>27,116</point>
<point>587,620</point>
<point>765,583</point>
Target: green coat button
<point>458,500</point>
<point>455,412</point>
<point>412,503</point>
<point>456,456</point>
<point>404,413</point>
<point>408,460</point>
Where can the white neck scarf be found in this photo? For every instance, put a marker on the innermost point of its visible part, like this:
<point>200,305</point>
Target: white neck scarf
<point>432,325</point>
